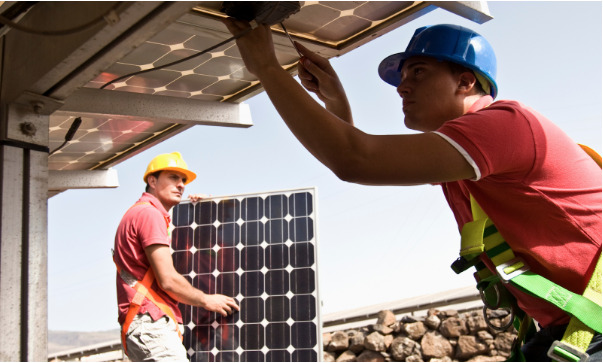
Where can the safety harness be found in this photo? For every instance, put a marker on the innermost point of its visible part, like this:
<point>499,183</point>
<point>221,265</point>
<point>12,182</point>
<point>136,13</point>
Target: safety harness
<point>143,290</point>
<point>481,235</point>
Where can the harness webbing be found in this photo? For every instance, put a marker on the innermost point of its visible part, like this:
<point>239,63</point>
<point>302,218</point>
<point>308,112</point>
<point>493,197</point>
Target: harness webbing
<point>143,290</point>
<point>481,235</point>
<point>577,333</point>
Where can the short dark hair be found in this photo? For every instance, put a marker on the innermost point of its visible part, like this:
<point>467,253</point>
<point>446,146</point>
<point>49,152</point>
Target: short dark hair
<point>156,175</point>
<point>456,68</point>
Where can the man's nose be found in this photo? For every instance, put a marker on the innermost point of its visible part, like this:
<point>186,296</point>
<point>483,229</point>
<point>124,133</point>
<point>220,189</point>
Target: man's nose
<point>403,87</point>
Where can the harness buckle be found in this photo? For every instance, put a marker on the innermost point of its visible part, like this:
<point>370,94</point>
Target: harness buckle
<point>462,264</point>
<point>482,295</point>
<point>499,328</point>
<point>510,269</point>
<point>563,352</point>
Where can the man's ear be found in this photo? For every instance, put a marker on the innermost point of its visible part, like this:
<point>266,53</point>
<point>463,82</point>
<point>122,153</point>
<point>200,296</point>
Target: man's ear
<point>152,181</point>
<point>466,81</point>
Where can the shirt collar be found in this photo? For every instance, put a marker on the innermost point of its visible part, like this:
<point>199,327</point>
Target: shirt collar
<point>150,198</point>
<point>482,102</point>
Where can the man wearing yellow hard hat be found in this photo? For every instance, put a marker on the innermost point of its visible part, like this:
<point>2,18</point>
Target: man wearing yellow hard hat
<point>148,286</point>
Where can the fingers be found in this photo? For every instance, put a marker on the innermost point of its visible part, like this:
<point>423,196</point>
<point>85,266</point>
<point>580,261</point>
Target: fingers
<point>232,303</point>
<point>224,305</point>
<point>235,26</point>
<point>322,62</point>
<point>197,197</point>
<point>314,69</point>
<point>306,78</point>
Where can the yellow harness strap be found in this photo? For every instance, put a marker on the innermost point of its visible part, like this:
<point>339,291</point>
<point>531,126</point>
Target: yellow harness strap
<point>578,336</point>
<point>475,239</point>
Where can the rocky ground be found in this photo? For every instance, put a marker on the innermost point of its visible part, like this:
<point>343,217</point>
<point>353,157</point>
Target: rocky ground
<point>441,336</point>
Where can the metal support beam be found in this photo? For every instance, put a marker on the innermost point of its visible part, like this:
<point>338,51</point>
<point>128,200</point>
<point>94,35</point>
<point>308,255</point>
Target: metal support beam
<point>97,102</point>
<point>56,65</point>
<point>23,233</point>
<point>61,180</point>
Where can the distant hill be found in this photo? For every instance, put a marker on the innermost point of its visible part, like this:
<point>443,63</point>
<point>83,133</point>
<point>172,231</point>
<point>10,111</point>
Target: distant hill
<point>59,341</point>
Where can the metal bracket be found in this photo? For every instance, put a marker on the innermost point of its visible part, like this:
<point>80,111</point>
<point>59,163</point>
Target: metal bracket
<point>506,277</point>
<point>41,105</point>
<point>563,352</point>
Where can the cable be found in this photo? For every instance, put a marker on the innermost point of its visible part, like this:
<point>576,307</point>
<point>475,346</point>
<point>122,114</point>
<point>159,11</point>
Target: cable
<point>265,20</point>
<point>70,133</point>
<point>180,60</point>
<point>110,17</point>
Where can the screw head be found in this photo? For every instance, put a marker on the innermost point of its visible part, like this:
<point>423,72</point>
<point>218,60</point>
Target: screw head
<point>28,128</point>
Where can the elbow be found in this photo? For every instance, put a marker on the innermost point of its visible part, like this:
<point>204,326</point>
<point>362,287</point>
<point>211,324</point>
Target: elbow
<point>167,284</point>
<point>350,171</point>
<point>352,161</point>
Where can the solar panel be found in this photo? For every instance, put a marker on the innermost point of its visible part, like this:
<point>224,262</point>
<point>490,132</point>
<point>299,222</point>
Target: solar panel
<point>260,249</point>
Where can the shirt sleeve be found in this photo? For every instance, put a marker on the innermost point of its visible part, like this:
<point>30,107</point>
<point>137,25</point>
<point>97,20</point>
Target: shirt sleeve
<point>152,228</point>
<point>496,141</point>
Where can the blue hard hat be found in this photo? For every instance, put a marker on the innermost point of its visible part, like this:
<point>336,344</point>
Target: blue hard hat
<point>452,43</point>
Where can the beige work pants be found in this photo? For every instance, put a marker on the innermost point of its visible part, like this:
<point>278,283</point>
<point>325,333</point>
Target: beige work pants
<point>153,341</point>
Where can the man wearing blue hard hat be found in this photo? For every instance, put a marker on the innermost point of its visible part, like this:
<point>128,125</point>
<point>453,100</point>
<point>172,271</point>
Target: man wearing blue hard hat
<point>527,199</point>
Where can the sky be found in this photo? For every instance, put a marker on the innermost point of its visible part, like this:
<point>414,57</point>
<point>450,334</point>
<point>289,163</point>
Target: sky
<point>374,244</point>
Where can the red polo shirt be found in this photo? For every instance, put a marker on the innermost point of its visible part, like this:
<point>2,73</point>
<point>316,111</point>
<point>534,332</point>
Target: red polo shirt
<point>541,190</point>
<point>144,224</point>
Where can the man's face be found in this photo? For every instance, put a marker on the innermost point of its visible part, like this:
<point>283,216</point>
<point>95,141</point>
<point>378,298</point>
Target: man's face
<point>428,90</point>
<point>168,187</point>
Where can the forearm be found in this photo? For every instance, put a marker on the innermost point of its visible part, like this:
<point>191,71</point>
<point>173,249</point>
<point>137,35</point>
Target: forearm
<point>178,287</point>
<point>355,156</point>
<point>328,132</point>
<point>324,132</point>
<point>341,109</point>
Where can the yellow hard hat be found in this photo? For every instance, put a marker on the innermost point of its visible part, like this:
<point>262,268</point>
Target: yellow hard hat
<point>172,161</point>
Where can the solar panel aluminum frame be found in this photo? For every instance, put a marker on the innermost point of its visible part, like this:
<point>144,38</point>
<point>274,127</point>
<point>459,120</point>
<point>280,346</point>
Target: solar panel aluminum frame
<point>212,327</point>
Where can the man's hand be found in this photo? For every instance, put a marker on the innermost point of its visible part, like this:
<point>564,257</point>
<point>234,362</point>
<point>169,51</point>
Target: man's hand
<point>179,288</point>
<point>198,197</point>
<point>220,304</point>
<point>318,76</point>
<point>256,47</point>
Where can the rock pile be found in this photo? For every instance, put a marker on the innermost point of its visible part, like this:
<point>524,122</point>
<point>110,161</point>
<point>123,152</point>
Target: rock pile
<point>441,336</point>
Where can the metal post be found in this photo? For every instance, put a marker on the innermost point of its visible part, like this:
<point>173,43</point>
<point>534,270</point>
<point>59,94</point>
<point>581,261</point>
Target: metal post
<point>23,233</point>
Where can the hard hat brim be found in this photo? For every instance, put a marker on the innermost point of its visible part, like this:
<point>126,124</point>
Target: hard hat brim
<point>390,68</point>
<point>190,176</point>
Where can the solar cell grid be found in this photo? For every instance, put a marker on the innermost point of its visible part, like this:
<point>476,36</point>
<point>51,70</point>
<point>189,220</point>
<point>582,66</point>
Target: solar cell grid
<point>260,249</point>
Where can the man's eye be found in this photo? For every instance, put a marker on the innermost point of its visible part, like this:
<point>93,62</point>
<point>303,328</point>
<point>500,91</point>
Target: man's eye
<point>418,71</point>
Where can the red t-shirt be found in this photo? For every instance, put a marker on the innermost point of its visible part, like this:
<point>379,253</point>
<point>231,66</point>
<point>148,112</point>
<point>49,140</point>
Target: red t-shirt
<point>143,225</point>
<point>541,190</point>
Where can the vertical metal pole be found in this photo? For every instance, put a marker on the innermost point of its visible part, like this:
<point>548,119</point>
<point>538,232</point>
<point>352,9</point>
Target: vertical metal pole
<point>25,256</point>
<point>11,252</point>
<point>23,236</point>
<point>37,322</point>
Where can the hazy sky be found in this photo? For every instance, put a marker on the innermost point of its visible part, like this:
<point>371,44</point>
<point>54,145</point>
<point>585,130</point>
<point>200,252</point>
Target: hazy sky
<point>375,244</point>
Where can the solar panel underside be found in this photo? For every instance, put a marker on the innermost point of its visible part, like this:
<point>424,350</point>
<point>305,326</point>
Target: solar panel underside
<point>260,249</point>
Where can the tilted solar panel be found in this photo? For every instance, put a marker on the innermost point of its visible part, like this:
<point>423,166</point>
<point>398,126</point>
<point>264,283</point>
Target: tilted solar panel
<point>260,249</point>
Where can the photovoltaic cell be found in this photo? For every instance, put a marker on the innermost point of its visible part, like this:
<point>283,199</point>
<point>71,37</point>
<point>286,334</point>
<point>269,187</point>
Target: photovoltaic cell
<point>261,250</point>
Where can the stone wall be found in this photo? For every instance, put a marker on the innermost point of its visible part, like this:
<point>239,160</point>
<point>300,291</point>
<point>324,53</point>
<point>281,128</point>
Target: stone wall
<point>441,336</point>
